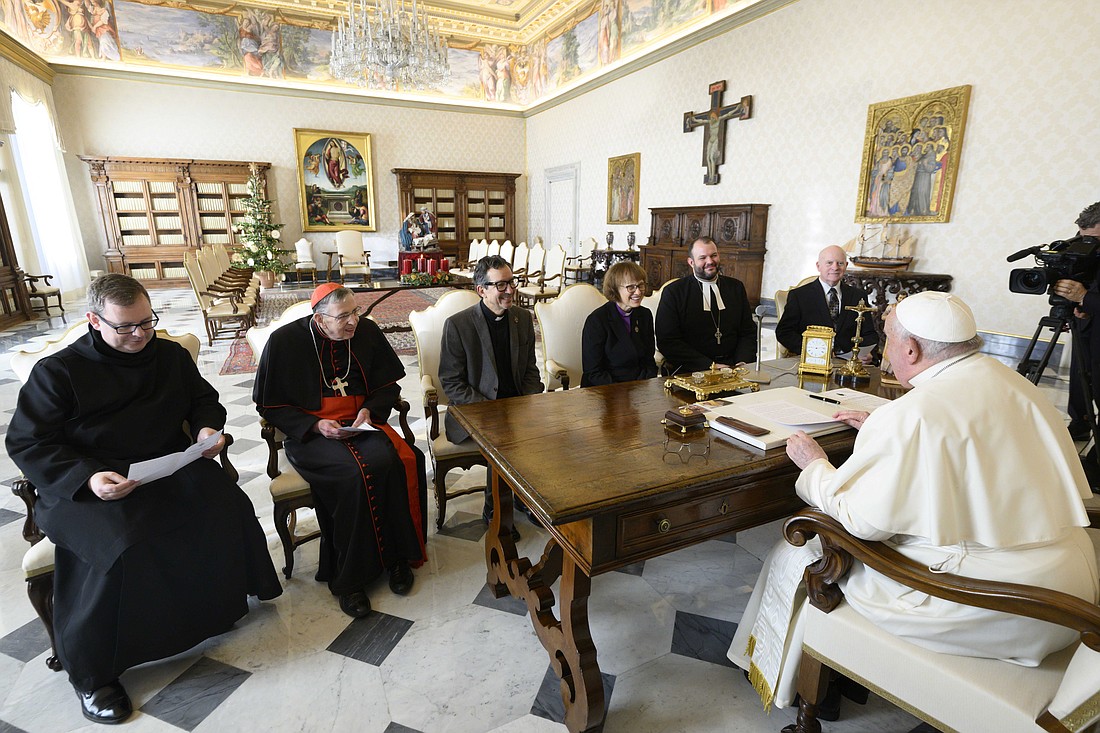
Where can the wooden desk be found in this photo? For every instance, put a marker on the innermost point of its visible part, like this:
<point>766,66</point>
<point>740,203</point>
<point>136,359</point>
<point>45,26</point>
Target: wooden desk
<point>595,466</point>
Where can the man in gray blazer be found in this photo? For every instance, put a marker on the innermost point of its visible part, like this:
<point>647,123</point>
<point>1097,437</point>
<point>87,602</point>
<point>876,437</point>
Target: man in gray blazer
<point>478,340</point>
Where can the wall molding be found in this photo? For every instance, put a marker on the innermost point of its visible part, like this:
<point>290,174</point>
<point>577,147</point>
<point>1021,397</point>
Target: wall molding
<point>26,59</point>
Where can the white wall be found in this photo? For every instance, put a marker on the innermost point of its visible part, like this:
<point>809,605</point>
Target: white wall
<point>1030,158</point>
<point>140,118</point>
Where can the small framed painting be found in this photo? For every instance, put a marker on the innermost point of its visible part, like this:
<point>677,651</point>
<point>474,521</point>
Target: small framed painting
<point>335,181</point>
<point>623,175</point>
<point>911,156</point>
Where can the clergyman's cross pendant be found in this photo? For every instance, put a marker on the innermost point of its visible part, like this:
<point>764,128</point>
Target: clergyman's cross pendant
<point>338,385</point>
<point>718,336</point>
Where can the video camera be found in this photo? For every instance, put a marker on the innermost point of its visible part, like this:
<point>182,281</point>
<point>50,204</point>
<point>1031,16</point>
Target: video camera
<point>1071,259</point>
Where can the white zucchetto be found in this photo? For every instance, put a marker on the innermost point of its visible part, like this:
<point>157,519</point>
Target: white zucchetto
<point>936,316</point>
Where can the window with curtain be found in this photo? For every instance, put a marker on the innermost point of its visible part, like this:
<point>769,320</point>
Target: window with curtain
<point>47,196</point>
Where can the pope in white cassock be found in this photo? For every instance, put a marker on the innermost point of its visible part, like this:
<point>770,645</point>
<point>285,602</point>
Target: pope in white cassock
<point>972,472</point>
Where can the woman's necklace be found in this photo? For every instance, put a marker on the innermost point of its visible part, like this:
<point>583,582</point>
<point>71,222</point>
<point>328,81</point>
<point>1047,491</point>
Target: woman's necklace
<point>338,384</point>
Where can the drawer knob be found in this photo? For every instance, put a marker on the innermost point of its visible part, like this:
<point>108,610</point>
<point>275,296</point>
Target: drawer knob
<point>724,508</point>
<point>663,526</point>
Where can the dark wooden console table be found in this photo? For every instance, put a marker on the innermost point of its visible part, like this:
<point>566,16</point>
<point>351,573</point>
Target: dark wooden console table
<point>603,259</point>
<point>884,286</point>
<point>560,465</point>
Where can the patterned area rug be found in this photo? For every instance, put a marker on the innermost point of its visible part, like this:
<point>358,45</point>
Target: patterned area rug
<point>393,311</point>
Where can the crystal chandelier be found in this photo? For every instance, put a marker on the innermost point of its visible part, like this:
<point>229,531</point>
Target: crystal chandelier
<point>388,44</point>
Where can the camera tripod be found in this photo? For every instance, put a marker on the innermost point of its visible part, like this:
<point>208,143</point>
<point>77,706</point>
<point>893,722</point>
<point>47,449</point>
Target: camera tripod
<point>1059,320</point>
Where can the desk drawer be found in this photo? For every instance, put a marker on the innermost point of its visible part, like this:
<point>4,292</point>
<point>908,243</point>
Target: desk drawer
<point>675,523</point>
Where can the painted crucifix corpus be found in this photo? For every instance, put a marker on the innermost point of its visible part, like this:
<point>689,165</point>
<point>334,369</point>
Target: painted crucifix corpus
<point>713,122</point>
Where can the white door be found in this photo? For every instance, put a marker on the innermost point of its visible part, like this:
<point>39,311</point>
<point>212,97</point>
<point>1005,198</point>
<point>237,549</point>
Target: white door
<point>562,187</point>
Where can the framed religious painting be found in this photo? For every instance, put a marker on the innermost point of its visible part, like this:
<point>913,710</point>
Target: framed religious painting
<point>911,153</point>
<point>335,181</point>
<point>623,176</point>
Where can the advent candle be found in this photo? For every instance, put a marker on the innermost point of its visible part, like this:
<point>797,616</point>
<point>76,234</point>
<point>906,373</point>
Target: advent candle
<point>407,267</point>
<point>433,266</point>
<point>422,264</point>
<point>445,263</point>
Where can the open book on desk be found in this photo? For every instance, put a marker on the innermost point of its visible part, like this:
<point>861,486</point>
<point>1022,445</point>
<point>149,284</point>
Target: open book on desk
<point>779,412</point>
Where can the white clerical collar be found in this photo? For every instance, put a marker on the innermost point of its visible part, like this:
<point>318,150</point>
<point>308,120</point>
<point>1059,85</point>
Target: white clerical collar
<point>827,287</point>
<point>938,368</point>
<point>711,286</point>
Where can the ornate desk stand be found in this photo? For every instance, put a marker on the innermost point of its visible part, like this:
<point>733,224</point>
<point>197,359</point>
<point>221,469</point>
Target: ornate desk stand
<point>853,373</point>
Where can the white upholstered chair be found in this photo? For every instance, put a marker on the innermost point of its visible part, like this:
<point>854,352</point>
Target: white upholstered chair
<point>353,259</point>
<point>952,693</point>
<point>478,249</point>
<point>427,327</point>
<point>494,248</point>
<point>39,559</point>
<point>223,312</point>
<point>508,251</point>
<point>651,301</point>
<point>549,281</point>
<point>561,321</point>
<point>303,260</point>
<point>519,260</point>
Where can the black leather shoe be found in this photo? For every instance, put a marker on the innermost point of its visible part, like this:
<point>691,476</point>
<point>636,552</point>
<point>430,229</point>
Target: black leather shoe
<point>109,704</point>
<point>401,578</point>
<point>356,604</point>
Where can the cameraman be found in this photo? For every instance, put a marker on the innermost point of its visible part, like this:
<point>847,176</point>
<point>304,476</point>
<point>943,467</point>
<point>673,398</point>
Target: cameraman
<point>1084,353</point>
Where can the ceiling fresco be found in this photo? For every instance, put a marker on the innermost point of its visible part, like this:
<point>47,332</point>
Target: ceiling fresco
<point>503,53</point>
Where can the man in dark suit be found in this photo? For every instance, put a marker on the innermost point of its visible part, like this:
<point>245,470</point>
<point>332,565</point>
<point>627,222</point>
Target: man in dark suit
<point>822,303</point>
<point>705,318</point>
<point>488,350</point>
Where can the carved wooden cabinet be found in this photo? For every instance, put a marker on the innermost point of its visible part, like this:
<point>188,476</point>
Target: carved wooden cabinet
<point>468,204</point>
<point>739,230</point>
<point>155,210</point>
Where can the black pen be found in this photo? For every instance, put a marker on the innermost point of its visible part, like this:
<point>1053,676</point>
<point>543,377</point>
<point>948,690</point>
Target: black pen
<point>823,399</point>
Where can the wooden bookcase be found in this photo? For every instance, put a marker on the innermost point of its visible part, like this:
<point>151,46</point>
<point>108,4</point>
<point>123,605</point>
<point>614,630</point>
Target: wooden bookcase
<point>469,204</point>
<point>739,230</point>
<point>155,210</point>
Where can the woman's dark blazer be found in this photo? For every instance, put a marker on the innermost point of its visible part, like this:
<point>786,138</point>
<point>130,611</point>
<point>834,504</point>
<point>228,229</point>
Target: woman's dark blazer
<point>610,354</point>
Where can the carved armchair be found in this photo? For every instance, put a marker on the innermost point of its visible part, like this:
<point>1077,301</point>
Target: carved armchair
<point>947,691</point>
<point>561,322</point>
<point>43,291</point>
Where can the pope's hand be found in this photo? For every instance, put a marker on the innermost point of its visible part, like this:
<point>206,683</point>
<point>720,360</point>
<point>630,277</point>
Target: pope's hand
<point>855,418</point>
<point>110,486</point>
<point>803,449</point>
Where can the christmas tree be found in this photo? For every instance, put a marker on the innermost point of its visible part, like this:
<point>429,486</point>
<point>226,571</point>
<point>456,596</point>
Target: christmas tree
<point>257,234</point>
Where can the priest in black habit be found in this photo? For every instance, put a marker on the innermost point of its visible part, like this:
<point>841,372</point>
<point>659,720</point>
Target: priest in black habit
<point>319,376</point>
<point>704,317</point>
<point>141,571</point>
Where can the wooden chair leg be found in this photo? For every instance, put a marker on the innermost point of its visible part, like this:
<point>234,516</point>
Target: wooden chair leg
<point>283,515</point>
<point>40,592</point>
<point>440,481</point>
<point>813,682</point>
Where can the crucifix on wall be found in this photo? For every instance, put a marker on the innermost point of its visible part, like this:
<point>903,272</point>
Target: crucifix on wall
<point>713,122</point>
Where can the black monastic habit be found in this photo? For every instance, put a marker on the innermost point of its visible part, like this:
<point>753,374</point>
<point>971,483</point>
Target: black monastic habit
<point>686,333</point>
<point>172,563</point>
<point>369,513</point>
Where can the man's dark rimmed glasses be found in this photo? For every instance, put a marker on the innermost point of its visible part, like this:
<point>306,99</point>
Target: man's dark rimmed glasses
<point>125,329</point>
<point>345,317</point>
<point>502,285</point>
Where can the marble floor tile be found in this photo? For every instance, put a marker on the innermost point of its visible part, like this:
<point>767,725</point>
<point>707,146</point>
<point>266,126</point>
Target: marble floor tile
<point>701,637</point>
<point>27,642</point>
<point>191,697</point>
<point>371,639</point>
<point>713,578</point>
<point>548,703</point>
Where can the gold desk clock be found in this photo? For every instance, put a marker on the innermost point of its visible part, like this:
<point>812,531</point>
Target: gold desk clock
<point>817,350</point>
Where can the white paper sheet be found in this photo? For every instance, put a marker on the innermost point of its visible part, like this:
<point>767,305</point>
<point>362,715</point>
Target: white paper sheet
<point>364,428</point>
<point>851,399</point>
<point>157,468</point>
<point>788,413</point>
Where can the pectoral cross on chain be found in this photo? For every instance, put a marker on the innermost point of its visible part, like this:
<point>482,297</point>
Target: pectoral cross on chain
<point>713,122</point>
<point>718,335</point>
<point>338,385</point>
